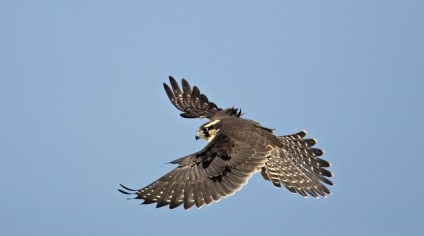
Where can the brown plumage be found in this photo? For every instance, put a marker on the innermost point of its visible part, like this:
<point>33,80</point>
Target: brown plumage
<point>237,149</point>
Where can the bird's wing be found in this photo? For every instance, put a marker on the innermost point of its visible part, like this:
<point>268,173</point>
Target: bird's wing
<point>298,167</point>
<point>192,103</point>
<point>217,171</point>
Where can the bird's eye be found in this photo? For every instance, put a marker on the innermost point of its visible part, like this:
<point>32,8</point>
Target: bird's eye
<point>205,129</point>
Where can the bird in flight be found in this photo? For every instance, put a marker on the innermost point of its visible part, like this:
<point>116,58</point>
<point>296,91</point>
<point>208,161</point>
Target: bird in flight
<point>237,148</point>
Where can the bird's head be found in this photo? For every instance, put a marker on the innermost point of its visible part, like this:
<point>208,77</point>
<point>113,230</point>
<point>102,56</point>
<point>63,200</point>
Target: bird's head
<point>207,131</point>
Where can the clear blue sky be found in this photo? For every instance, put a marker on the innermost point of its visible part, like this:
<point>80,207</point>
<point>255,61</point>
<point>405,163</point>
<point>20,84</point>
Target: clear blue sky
<point>82,109</point>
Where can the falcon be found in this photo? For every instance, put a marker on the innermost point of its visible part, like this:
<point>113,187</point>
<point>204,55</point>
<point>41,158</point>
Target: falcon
<point>237,148</point>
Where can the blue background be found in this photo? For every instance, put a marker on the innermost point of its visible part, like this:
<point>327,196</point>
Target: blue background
<point>82,109</point>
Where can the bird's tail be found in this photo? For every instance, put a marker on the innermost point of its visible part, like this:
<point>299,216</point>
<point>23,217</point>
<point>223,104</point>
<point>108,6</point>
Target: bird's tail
<point>298,167</point>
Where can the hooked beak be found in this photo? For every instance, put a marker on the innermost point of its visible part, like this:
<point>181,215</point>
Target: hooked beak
<point>197,137</point>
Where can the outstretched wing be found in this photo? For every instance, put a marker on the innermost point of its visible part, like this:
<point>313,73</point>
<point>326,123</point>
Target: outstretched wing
<point>217,171</point>
<point>298,167</point>
<point>191,102</point>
